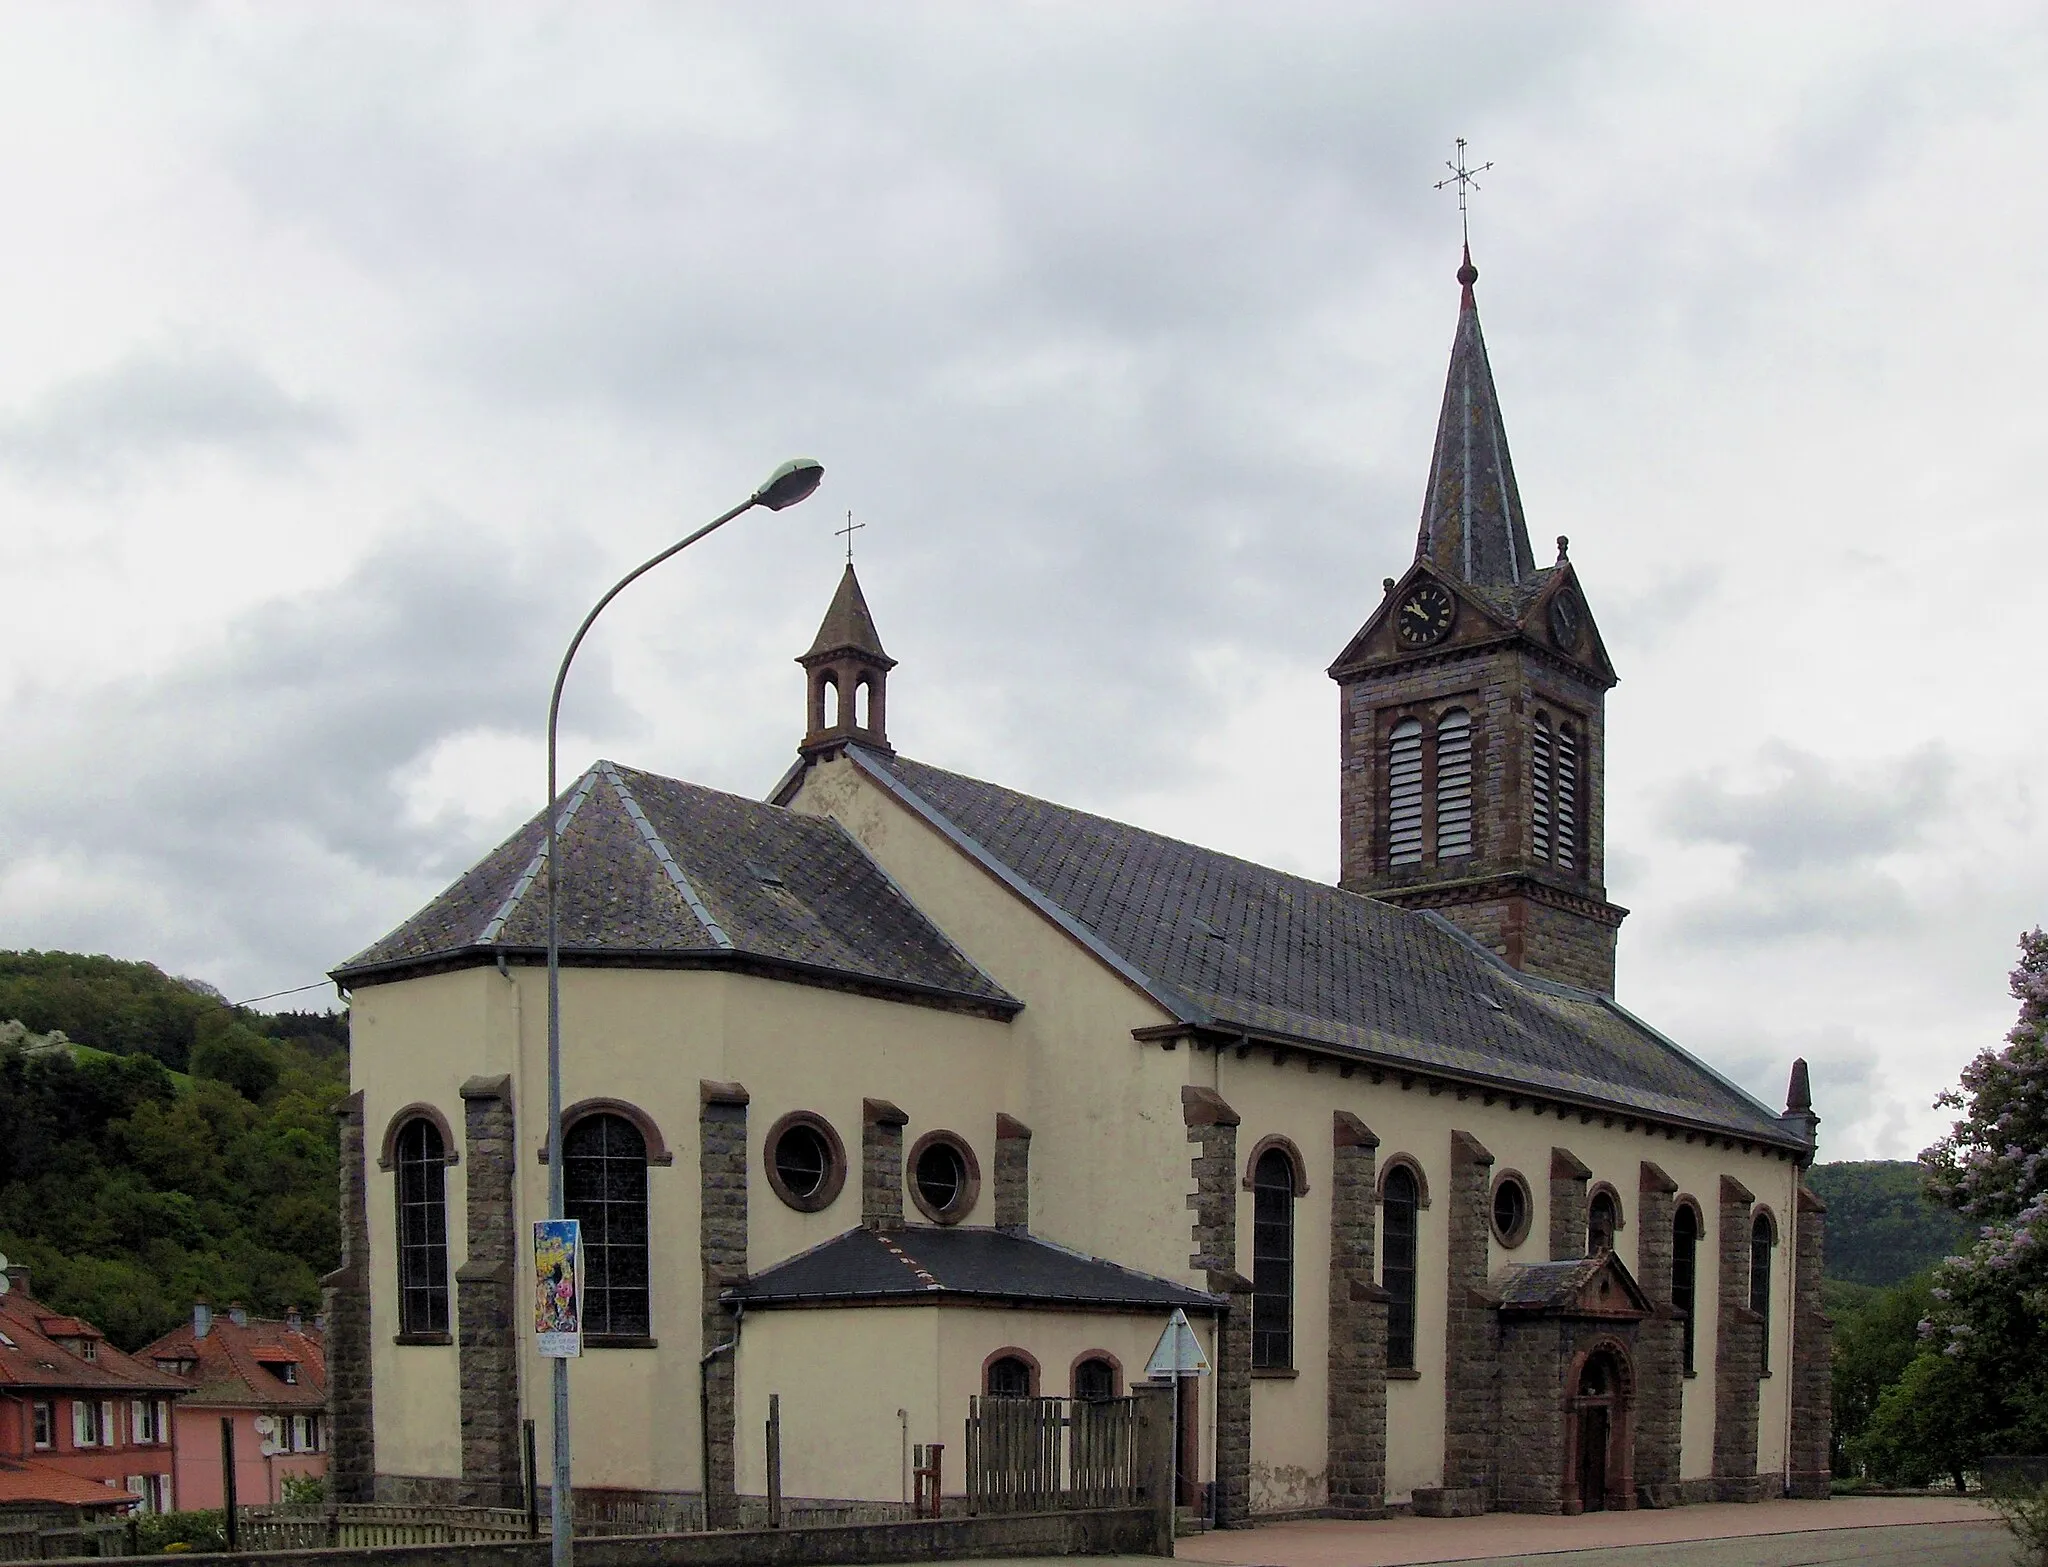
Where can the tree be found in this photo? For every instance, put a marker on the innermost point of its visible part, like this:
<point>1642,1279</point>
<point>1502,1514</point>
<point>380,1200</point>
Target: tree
<point>1875,1340</point>
<point>1989,1318</point>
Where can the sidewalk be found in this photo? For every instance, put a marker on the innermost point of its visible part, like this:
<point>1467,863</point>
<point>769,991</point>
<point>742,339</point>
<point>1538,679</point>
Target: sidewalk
<point>1401,1542</point>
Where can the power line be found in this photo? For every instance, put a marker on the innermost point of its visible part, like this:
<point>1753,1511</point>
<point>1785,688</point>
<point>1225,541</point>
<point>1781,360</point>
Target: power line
<point>318,984</point>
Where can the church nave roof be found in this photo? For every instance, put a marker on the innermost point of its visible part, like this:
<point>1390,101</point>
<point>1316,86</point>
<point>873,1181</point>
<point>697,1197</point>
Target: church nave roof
<point>1223,943</point>
<point>661,871</point>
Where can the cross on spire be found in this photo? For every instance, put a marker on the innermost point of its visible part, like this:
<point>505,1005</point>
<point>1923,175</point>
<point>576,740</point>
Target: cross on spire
<point>1463,177</point>
<point>847,533</point>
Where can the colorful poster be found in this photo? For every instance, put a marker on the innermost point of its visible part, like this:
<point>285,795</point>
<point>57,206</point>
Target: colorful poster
<point>558,1287</point>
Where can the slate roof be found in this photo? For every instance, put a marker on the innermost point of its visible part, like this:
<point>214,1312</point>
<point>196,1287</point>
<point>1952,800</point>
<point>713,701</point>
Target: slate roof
<point>940,1265</point>
<point>31,1357</point>
<point>232,1358</point>
<point>657,870</point>
<point>1542,1286</point>
<point>1221,942</point>
<point>848,625</point>
<point>1472,523</point>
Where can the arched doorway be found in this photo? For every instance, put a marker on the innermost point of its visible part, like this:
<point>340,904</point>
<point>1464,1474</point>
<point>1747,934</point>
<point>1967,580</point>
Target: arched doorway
<point>1599,1439</point>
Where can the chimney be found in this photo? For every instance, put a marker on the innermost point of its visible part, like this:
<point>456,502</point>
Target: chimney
<point>17,1278</point>
<point>319,1322</point>
<point>238,1314</point>
<point>202,1319</point>
<point>881,1165</point>
<point>1013,1175</point>
<point>293,1322</point>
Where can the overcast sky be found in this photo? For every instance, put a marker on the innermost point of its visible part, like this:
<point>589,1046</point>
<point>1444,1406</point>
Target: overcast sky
<point>347,353</point>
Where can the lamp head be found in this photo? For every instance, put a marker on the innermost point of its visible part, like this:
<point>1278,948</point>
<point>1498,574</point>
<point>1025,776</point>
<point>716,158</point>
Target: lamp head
<point>790,483</point>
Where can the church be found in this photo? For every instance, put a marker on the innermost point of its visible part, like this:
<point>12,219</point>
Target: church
<point>900,1087</point>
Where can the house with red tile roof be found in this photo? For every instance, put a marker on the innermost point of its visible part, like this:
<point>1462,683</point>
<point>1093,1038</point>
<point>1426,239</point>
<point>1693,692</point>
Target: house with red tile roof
<point>268,1380</point>
<point>81,1423</point>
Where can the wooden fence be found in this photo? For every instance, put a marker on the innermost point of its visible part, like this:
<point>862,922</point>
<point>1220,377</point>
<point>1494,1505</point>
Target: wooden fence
<point>33,1539</point>
<point>1044,1454</point>
<point>312,1525</point>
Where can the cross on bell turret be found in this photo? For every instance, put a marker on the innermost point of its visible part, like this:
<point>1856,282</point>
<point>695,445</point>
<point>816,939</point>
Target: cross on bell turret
<point>848,676</point>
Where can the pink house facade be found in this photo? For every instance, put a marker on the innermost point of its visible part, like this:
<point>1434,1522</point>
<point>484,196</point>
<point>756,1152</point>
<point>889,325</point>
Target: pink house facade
<point>268,1380</point>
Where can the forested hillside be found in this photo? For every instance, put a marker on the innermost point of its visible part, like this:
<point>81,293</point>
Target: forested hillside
<point>1882,1228</point>
<point>157,1144</point>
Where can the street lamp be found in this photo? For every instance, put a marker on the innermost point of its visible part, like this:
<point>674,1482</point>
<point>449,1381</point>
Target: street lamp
<point>787,485</point>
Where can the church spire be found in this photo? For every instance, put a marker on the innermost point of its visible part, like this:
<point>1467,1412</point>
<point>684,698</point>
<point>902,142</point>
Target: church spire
<point>1472,524</point>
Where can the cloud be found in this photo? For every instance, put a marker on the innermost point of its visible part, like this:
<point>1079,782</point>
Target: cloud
<point>1812,838</point>
<point>160,403</point>
<point>248,812</point>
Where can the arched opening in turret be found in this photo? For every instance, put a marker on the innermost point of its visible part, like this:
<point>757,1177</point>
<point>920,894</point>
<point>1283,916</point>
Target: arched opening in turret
<point>829,695</point>
<point>862,696</point>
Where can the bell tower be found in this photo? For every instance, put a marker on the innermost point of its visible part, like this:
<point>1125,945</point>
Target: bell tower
<point>847,677</point>
<point>1473,715</point>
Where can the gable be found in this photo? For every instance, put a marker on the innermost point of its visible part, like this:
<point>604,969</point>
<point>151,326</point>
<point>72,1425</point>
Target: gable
<point>1596,1287</point>
<point>1486,617</point>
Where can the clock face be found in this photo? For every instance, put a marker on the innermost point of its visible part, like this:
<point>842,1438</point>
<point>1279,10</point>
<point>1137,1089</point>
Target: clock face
<point>1425,615</point>
<point>1567,619</point>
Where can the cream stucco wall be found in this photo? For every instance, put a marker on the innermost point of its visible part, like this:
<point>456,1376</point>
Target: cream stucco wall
<point>1109,1176</point>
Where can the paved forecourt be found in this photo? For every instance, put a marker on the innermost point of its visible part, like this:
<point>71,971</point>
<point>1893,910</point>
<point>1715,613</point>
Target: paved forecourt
<point>1877,1531</point>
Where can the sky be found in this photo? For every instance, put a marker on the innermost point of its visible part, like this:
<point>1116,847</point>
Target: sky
<point>348,352</point>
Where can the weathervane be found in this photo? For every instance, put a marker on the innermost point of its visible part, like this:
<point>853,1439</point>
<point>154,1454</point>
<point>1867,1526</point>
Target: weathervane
<point>847,533</point>
<point>1462,177</point>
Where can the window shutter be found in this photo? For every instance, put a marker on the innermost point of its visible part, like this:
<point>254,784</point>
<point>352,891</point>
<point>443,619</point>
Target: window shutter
<point>110,1430</point>
<point>81,1424</point>
<point>1454,785</point>
<point>163,1421</point>
<point>1404,793</point>
<point>138,1421</point>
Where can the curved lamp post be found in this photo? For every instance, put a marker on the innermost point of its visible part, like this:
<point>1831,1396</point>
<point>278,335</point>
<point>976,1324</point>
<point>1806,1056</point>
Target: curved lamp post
<point>787,485</point>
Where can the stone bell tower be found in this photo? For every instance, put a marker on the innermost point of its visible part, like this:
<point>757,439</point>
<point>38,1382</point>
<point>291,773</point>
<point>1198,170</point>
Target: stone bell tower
<point>1474,742</point>
<point>847,677</point>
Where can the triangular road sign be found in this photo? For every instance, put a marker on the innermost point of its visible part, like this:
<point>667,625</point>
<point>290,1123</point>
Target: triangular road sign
<point>1179,1352</point>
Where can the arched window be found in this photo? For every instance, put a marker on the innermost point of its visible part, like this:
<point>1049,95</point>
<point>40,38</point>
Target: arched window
<point>1762,1237</point>
<point>1009,1376</point>
<point>422,1160</point>
<point>1685,1272</point>
<point>1404,793</point>
<point>1399,1204</point>
<point>1540,749</point>
<point>1602,1220</point>
<point>1273,1261</point>
<point>1095,1377</point>
<point>604,1179</point>
<point>1454,785</point>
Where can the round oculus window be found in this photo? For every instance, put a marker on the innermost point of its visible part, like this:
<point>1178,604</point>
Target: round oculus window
<point>944,1179</point>
<point>806,1162</point>
<point>1510,1211</point>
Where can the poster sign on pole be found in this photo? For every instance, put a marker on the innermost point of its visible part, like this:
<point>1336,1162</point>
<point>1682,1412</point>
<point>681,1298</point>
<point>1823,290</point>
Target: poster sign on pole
<point>558,1287</point>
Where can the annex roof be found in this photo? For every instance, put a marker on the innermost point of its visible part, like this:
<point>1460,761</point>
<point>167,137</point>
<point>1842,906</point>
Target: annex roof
<point>1222,943</point>
<point>31,1357</point>
<point>231,1359</point>
<point>934,1266</point>
<point>657,871</point>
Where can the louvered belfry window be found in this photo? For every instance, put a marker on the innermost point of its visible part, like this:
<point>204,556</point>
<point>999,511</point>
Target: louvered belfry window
<point>1567,792</point>
<point>1404,793</point>
<point>604,1179</point>
<point>1554,753</point>
<point>1454,784</point>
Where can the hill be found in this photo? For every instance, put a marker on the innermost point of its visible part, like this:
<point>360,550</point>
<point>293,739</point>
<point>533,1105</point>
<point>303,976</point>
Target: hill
<point>158,1144</point>
<point>1881,1229</point>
